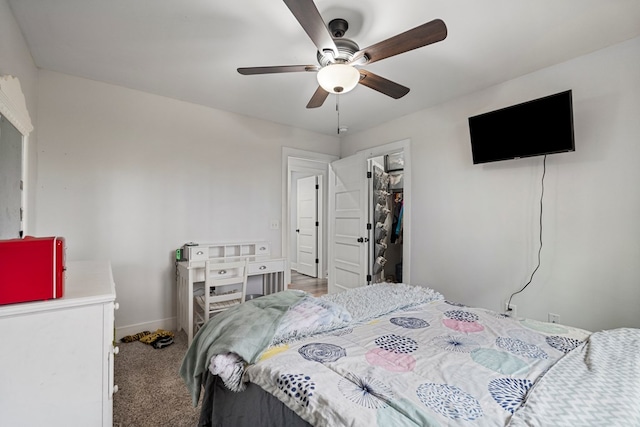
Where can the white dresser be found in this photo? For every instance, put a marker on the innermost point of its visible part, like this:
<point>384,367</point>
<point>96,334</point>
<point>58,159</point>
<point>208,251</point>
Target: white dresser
<point>56,356</point>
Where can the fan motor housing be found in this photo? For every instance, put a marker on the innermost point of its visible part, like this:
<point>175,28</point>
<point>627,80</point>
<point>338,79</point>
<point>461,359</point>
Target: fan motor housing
<point>346,49</point>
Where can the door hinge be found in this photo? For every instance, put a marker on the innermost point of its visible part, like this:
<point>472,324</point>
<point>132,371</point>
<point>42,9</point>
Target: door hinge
<point>21,185</point>
<point>369,174</point>
<point>317,224</point>
<point>369,226</point>
<point>317,186</point>
<point>368,277</point>
<point>317,261</point>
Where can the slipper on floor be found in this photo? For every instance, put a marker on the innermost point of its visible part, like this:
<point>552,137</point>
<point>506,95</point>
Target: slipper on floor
<point>162,342</point>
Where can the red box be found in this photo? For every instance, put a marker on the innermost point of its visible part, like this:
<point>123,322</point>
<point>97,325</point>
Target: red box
<point>31,269</point>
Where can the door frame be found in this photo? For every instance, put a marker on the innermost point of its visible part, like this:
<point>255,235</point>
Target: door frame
<point>296,160</point>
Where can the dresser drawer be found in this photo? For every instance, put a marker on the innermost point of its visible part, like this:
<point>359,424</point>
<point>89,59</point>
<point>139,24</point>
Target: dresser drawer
<point>267,266</point>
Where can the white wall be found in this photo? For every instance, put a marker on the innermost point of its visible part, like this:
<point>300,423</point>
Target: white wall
<point>128,176</point>
<point>475,227</point>
<point>15,60</point>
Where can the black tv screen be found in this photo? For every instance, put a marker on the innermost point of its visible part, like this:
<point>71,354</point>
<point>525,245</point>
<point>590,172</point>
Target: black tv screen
<point>533,128</point>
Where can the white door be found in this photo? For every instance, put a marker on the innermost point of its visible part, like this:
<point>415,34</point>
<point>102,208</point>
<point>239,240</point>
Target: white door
<point>348,247</point>
<point>307,228</point>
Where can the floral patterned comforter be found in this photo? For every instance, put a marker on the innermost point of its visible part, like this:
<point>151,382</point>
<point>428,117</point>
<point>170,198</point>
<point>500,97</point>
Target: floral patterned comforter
<point>437,364</point>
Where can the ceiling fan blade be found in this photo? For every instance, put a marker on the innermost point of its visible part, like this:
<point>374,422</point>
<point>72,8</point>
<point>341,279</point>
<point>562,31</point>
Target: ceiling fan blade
<point>309,17</point>
<point>318,98</point>
<point>277,69</point>
<point>382,85</point>
<point>422,35</point>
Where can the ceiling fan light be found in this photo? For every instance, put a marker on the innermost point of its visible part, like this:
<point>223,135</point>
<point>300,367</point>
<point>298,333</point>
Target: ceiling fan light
<point>338,78</point>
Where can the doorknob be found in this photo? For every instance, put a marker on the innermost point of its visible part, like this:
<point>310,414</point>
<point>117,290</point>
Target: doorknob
<point>297,230</point>
<point>361,239</point>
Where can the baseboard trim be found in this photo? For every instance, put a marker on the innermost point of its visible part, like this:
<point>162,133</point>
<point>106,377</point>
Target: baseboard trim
<point>168,324</point>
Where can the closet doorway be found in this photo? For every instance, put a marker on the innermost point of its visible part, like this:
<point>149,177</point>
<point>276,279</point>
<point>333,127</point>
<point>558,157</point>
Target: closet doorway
<point>386,216</point>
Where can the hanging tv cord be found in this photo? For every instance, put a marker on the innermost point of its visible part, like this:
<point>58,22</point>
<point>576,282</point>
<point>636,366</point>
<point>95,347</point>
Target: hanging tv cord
<point>544,172</point>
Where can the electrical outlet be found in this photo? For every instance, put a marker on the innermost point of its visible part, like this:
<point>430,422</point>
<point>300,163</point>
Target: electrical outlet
<point>274,224</point>
<point>510,310</point>
<point>554,318</point>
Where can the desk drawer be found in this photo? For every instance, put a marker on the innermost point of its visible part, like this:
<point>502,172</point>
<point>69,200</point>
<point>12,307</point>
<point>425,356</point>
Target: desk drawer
<point>196,253</point>
<point>267,266</point>
<point>219,271</point>
<point>262,249</point>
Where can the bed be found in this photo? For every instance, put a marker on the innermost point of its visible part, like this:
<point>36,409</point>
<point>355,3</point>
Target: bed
<point>401,355</point>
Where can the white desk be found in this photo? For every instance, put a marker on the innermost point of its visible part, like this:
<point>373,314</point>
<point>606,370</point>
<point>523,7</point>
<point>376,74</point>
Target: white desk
<point>191,271</point>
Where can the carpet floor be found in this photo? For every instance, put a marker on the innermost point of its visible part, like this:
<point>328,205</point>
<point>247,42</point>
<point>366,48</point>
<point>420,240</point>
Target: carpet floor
<point>150,390</point>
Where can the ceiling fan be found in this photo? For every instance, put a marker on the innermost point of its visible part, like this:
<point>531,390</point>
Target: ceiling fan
<point>338,56</point>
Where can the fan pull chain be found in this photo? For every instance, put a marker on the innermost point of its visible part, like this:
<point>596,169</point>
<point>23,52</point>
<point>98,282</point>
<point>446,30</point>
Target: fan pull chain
<point>338,111</point>
<point>341,129</point>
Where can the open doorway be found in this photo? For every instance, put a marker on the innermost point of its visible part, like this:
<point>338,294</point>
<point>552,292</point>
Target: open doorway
<point>313,285</point>
<point>308,200</point>
<point>307,255</point>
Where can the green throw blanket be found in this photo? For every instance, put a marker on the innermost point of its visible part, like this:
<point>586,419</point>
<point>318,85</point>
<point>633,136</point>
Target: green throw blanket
<point>246,330</point>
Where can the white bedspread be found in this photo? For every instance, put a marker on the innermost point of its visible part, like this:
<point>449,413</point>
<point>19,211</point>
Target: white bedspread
<point>310,316</point>
<point>437,364</point>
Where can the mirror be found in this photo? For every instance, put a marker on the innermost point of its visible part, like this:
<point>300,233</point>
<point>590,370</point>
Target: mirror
<point>15,127</point>
<point>10,180</point>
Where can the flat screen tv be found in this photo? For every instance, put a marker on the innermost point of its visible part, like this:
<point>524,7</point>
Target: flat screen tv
<point>533,128</point>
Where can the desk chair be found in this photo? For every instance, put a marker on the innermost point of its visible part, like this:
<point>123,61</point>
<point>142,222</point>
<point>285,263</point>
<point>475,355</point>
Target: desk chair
<point>225,286</point>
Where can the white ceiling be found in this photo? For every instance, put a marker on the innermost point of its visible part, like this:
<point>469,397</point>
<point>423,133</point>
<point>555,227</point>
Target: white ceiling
<point>190,49</point>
